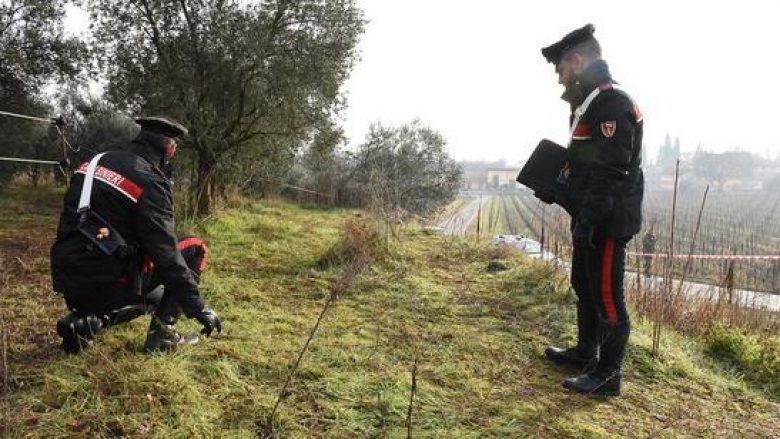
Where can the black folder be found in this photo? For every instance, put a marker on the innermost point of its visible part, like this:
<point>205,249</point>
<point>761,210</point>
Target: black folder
<point>543,167</point>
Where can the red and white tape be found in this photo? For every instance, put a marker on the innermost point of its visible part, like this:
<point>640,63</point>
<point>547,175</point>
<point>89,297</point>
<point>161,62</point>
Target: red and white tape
<point>713,257</point>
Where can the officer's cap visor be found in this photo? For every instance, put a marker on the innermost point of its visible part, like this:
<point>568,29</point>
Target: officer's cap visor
<point>161,125</point>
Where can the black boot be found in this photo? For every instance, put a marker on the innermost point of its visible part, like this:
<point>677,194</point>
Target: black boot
<point>584,355</point>
<point>163,337</point>
<point>595,383</point>
<point>573,357</point>
<point>126,314</point>
<point>78,331</point>
<point>605,379</point>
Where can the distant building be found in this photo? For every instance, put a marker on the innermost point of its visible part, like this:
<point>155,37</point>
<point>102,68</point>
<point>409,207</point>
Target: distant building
<point>484,175</point>
<point>502,177</point>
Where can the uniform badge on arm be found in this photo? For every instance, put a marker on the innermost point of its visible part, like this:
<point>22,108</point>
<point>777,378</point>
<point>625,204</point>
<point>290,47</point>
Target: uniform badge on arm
<point>608,128</point>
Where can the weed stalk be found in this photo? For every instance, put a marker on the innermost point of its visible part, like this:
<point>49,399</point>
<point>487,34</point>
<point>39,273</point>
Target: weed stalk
<point>353,269</point>
<point>666,293</point>
<point>410,409</point>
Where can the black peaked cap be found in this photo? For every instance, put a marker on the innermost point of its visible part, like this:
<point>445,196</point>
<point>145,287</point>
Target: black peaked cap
<point>162,125</point>
<point>555,52</point>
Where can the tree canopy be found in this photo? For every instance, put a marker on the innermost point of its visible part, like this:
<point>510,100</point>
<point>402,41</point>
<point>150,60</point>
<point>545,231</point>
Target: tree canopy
<point>717,169</point>
<point>34,51</point>
<point>406,169</point>
<point>241,76</point>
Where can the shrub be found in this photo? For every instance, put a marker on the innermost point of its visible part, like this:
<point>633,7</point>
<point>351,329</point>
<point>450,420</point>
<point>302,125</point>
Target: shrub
<point>757,359</point>
<point>360,240</point>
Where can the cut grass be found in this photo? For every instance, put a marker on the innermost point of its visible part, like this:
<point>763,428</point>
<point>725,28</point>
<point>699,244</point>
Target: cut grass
<point>477,337</point>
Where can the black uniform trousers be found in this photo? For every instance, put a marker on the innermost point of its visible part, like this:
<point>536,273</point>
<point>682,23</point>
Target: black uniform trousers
<point>125,295</point>
<point>602,318</point>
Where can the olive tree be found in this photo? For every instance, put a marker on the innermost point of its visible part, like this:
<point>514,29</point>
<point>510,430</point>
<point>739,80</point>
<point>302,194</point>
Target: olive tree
<point>405,170</point>
<point>253,81</point>
<point>34,52</point>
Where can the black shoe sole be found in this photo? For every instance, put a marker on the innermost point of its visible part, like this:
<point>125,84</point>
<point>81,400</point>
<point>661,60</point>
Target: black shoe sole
<point>599,392</point>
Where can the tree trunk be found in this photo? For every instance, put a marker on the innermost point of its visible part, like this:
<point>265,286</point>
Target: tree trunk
<point>203,183</point>
<point>35,175</point>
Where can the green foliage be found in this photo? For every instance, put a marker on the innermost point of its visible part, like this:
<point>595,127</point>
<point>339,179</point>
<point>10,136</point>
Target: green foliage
<point>33,51</point>
<point>322,166</point>
<point>26,139</point>
<point>33,48</point>
<point>405,169</point>
<point>731,346</point>
<point>252,81</point>
<point>93,122</point>
<point>758,359</point>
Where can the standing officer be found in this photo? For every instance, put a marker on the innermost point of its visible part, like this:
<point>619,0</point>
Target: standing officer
<point>116,255</point>
<point>603,185</point>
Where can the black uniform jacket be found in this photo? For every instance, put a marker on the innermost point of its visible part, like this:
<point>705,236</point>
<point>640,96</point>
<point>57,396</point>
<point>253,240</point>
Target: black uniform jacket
<point>603,180</point>
<point>134,196</point>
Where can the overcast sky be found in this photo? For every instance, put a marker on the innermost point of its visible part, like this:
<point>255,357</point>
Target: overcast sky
<point>706,71</point>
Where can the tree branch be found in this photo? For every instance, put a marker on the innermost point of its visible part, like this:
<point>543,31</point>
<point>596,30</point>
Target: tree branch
<point>11,15</point>
<point>156,37</point>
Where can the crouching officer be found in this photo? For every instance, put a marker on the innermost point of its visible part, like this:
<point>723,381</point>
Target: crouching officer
<point>603,186</point>
<point>116,256</point>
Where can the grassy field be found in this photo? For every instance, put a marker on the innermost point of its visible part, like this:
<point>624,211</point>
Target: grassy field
<point>475,336</point>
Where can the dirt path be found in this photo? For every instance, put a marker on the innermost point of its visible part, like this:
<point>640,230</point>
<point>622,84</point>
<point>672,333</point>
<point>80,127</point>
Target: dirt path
<point>459,222</point>
<point>744,298</point>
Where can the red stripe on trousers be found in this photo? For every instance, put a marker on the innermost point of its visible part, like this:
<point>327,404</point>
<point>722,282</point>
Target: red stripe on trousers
<point>606,281</point>
<point>190,242</point>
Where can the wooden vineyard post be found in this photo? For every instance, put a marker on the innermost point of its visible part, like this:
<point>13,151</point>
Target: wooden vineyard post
<point>665,293</point>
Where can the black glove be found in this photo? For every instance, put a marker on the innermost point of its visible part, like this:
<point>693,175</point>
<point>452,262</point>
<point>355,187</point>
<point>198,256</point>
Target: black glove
<point>208,318</point>
<point>545,197</point>
<point>583,233</point>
